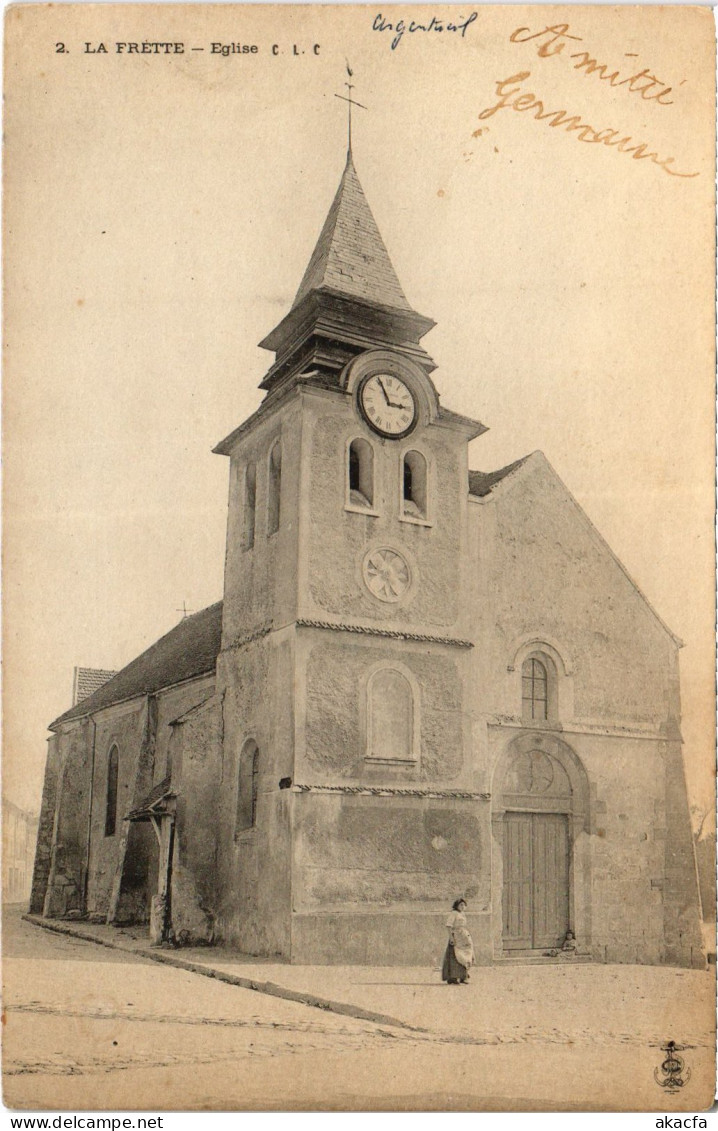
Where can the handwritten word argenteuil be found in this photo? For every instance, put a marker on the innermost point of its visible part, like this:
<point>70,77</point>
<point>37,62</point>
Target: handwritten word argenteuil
<point>552,41</point>
<point>410,26</point>
<point>512,96</point>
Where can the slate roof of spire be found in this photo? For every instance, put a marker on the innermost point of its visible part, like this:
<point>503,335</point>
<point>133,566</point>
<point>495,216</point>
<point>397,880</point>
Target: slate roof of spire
<point>350,255</point>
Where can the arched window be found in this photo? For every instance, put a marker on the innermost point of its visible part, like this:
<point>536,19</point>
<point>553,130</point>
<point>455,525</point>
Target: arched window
<point>250,505</point>
<point>391,731</point>
<point>274,495</point>
<point>247,787</point>
<point>414,500</point>
<point>534,689</point>
<point>361,473</point>
<point>111,796</point>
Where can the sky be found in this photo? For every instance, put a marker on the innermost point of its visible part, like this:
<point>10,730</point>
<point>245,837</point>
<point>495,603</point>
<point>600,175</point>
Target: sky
<point>161,210</point>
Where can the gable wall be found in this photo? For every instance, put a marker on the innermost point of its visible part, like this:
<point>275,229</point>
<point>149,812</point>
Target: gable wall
<point>540,572</point>
<point>540,569</point>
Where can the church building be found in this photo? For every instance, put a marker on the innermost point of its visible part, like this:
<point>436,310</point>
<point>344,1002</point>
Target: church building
<point>423,682</point>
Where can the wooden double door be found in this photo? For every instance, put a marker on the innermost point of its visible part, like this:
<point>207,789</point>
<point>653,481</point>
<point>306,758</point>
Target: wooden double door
<point>536,880</point>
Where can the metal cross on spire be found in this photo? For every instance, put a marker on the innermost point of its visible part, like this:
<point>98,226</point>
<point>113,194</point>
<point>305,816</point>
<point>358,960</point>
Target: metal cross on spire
<point>352,102</point>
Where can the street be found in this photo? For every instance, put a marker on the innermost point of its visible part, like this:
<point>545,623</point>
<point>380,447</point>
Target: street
<point>91,1028</point>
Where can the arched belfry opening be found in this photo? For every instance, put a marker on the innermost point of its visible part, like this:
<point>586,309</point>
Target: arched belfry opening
<point>541,875</point>
<point>360,472</point>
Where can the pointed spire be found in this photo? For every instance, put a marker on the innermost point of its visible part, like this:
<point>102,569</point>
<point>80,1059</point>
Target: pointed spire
<point>349,297</point>
<point>350,256</point>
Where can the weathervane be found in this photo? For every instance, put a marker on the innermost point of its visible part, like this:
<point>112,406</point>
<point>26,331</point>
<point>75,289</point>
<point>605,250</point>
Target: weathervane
<point>184,610</point>
<point>350,87</point>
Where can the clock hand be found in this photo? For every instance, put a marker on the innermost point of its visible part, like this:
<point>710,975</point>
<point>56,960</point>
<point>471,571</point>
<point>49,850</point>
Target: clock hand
<point>386,395</point>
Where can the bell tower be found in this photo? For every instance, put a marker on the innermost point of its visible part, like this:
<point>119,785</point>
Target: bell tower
<point>344,664</point>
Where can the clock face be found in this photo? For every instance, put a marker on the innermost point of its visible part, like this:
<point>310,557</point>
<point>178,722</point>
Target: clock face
<point>387,405</point>
<point>386,574</point>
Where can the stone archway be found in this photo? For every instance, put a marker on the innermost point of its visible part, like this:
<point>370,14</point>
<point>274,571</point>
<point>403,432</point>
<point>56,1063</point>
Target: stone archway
<point>541,874</point>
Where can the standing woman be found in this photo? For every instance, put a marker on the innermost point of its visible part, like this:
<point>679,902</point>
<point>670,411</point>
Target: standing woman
<point>460,950</point>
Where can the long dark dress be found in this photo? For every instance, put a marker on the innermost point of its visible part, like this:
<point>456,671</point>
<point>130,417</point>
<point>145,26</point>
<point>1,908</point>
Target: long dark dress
<point>452,970</point>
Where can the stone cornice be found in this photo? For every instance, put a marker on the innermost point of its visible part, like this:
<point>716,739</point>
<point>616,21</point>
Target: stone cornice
<point>337,626</point>
<point>594,730</point>
<point>392,634</point>
<point>393,791</point>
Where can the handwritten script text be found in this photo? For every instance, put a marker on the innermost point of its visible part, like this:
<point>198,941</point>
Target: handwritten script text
<point>511,96</point>
<point>643,82</point>
<point>435,25</point>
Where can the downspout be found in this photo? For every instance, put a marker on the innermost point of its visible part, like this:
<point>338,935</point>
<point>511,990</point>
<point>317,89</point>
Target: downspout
<point>86,882</point>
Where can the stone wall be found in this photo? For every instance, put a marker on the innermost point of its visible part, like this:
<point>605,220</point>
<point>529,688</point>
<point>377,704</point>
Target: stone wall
<point>260,582</point>
<point>337,539</point>
<point>148,748</point>
<point>545,581</point>
<point>617,839</point>
<point>332,679</point>
<point>381,938</point>
<point>196,750</point>
<point>81,868</point>
<point>627,846</point>
<point>355,851</point>
<point>46,827</point>
<point>256,686</point>
<point>542,572</point>
<point>124,727</point>
<point>374,877</point>
<point>68,868</point>
<point>681,899</point>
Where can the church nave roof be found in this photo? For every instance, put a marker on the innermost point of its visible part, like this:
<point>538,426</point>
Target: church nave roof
<point>189,649</point>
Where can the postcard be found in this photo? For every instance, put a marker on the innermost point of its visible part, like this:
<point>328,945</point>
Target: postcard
<point>359,558</point>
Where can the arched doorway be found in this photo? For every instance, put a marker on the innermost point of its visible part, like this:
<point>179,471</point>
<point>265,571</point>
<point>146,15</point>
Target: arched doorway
<point>540,808</point>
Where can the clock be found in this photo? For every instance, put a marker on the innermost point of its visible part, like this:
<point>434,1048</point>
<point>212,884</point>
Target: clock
<point>387,404</point>
<point>386,574</point>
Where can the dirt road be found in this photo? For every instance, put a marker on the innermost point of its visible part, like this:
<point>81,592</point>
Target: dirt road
<point>88,1028</point>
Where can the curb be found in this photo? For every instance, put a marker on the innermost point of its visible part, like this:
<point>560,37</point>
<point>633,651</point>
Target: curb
<point>270,988</point>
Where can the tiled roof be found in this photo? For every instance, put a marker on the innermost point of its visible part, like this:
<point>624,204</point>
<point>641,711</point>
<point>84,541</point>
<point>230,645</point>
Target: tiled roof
<point>189,649</point>
<point>152,803</point>
<point>481,482</point>
<point>87,681</point>
<point>350,256</point>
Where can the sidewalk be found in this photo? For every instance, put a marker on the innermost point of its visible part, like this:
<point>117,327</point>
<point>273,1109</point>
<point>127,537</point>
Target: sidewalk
<point>546,1004</point>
